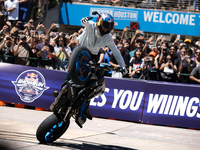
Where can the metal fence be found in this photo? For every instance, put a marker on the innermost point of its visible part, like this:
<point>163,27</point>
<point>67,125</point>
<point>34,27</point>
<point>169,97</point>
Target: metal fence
<point>49,64</point>
<point>173,5</point>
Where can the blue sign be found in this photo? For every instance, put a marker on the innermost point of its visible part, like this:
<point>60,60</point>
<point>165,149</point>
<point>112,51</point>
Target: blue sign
<point>149,20</point>
<point>144,101</point>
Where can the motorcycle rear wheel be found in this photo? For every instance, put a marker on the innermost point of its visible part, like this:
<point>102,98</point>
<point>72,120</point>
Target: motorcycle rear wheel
<point>51,129</point>
<point>79,71</point>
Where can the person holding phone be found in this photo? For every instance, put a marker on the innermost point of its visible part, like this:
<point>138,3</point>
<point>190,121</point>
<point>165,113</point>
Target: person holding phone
<point>45,52</point>
<point>22,51</point>
<point>62,53</point>
<point>7,48</point>
<point>186,64</point>
<point>168,70</point>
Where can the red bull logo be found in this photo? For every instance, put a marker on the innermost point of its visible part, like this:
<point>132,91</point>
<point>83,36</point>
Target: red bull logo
<point>30,85</point>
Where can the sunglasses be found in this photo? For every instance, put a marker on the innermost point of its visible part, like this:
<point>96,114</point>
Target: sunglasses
<point>60,40</point>
<point>120,47</point>
<point>46,39</point>
<point>197,52</point>
<point>8,38</point>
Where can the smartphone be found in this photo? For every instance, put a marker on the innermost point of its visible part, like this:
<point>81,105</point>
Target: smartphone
<point>148,58</point>
<point>178,36</point>
<point>186,57</point>
<point>40,22</point>
<point>55,33</point>
<point>57,25</point>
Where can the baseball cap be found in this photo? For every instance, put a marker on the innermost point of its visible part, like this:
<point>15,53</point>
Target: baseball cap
<point>152,53</point>
<point>187,40</point>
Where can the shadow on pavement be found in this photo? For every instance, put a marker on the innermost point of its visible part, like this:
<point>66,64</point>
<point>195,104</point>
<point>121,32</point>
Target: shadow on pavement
<point>90,146</point>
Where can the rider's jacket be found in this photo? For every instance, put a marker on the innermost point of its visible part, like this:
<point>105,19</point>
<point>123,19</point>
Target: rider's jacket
<point>92,39</point>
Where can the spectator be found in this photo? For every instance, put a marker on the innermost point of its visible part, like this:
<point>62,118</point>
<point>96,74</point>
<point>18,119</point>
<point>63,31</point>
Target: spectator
<point>168,70</point>
<point>150,67</point>
<point>45,53</point>
<point>187,42</point>
<point>195,75</point>
<point>12,7</point>
<point>136,64</point>
<point>137,41</point>
<point>62,53</point>
<point>181,2</point>
<point>7,48</point>
<point>101,54</point>
<point>180,43</point>
<point>197,57</point>
<point>24,7</point>
<point>164,51</point>
<point>124,54</point>
<point>104,57</point>
<point>174,55</point>
<point>196,5</point>
<point>41,4</point>
<point>22,50</point>
<point>3,15</point>
<point>186,64</point>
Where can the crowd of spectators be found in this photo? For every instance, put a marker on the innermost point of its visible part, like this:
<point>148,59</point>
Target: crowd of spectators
<point>152,59</point>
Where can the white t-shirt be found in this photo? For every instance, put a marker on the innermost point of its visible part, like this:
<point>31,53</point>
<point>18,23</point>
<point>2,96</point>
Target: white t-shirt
<point>13,15</point>
<point>62,55</point>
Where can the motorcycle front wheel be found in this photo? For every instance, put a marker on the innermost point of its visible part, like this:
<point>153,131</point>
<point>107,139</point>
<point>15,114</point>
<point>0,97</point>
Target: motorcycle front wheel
<point>79,70</point>
<point>51,129</point>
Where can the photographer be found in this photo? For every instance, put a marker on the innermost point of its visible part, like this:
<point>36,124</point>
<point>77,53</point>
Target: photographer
<point>45,52</point>
<point>7,48</point>
<point>22,51</point>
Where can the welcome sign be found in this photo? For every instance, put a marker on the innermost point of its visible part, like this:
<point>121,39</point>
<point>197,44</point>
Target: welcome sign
<point>154,21</point>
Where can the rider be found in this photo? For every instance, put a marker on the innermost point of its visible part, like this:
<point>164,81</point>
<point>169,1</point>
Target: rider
<point>95,36</point>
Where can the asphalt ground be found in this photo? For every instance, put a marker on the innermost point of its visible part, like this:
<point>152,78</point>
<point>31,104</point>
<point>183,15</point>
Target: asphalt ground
<point>18,127</point>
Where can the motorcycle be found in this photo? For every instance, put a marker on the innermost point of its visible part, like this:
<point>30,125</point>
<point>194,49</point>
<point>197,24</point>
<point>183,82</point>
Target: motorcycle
<point>87,81</point>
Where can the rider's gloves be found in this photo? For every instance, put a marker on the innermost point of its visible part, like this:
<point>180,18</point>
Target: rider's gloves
<point>124,71</point>
<point>85,20</point>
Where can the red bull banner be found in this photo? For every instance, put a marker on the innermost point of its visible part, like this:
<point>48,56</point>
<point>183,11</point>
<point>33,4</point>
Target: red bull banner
<point>142,101</point>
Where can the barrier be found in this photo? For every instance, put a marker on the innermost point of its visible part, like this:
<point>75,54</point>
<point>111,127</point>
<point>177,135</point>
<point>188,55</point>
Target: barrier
<point>151,102</point>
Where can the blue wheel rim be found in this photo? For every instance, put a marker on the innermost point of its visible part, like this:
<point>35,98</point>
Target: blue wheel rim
<point>83,71</point>
<point>50,134</point>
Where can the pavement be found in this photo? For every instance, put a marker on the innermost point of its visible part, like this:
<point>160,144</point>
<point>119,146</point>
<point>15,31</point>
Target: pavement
<point>18,127</point>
